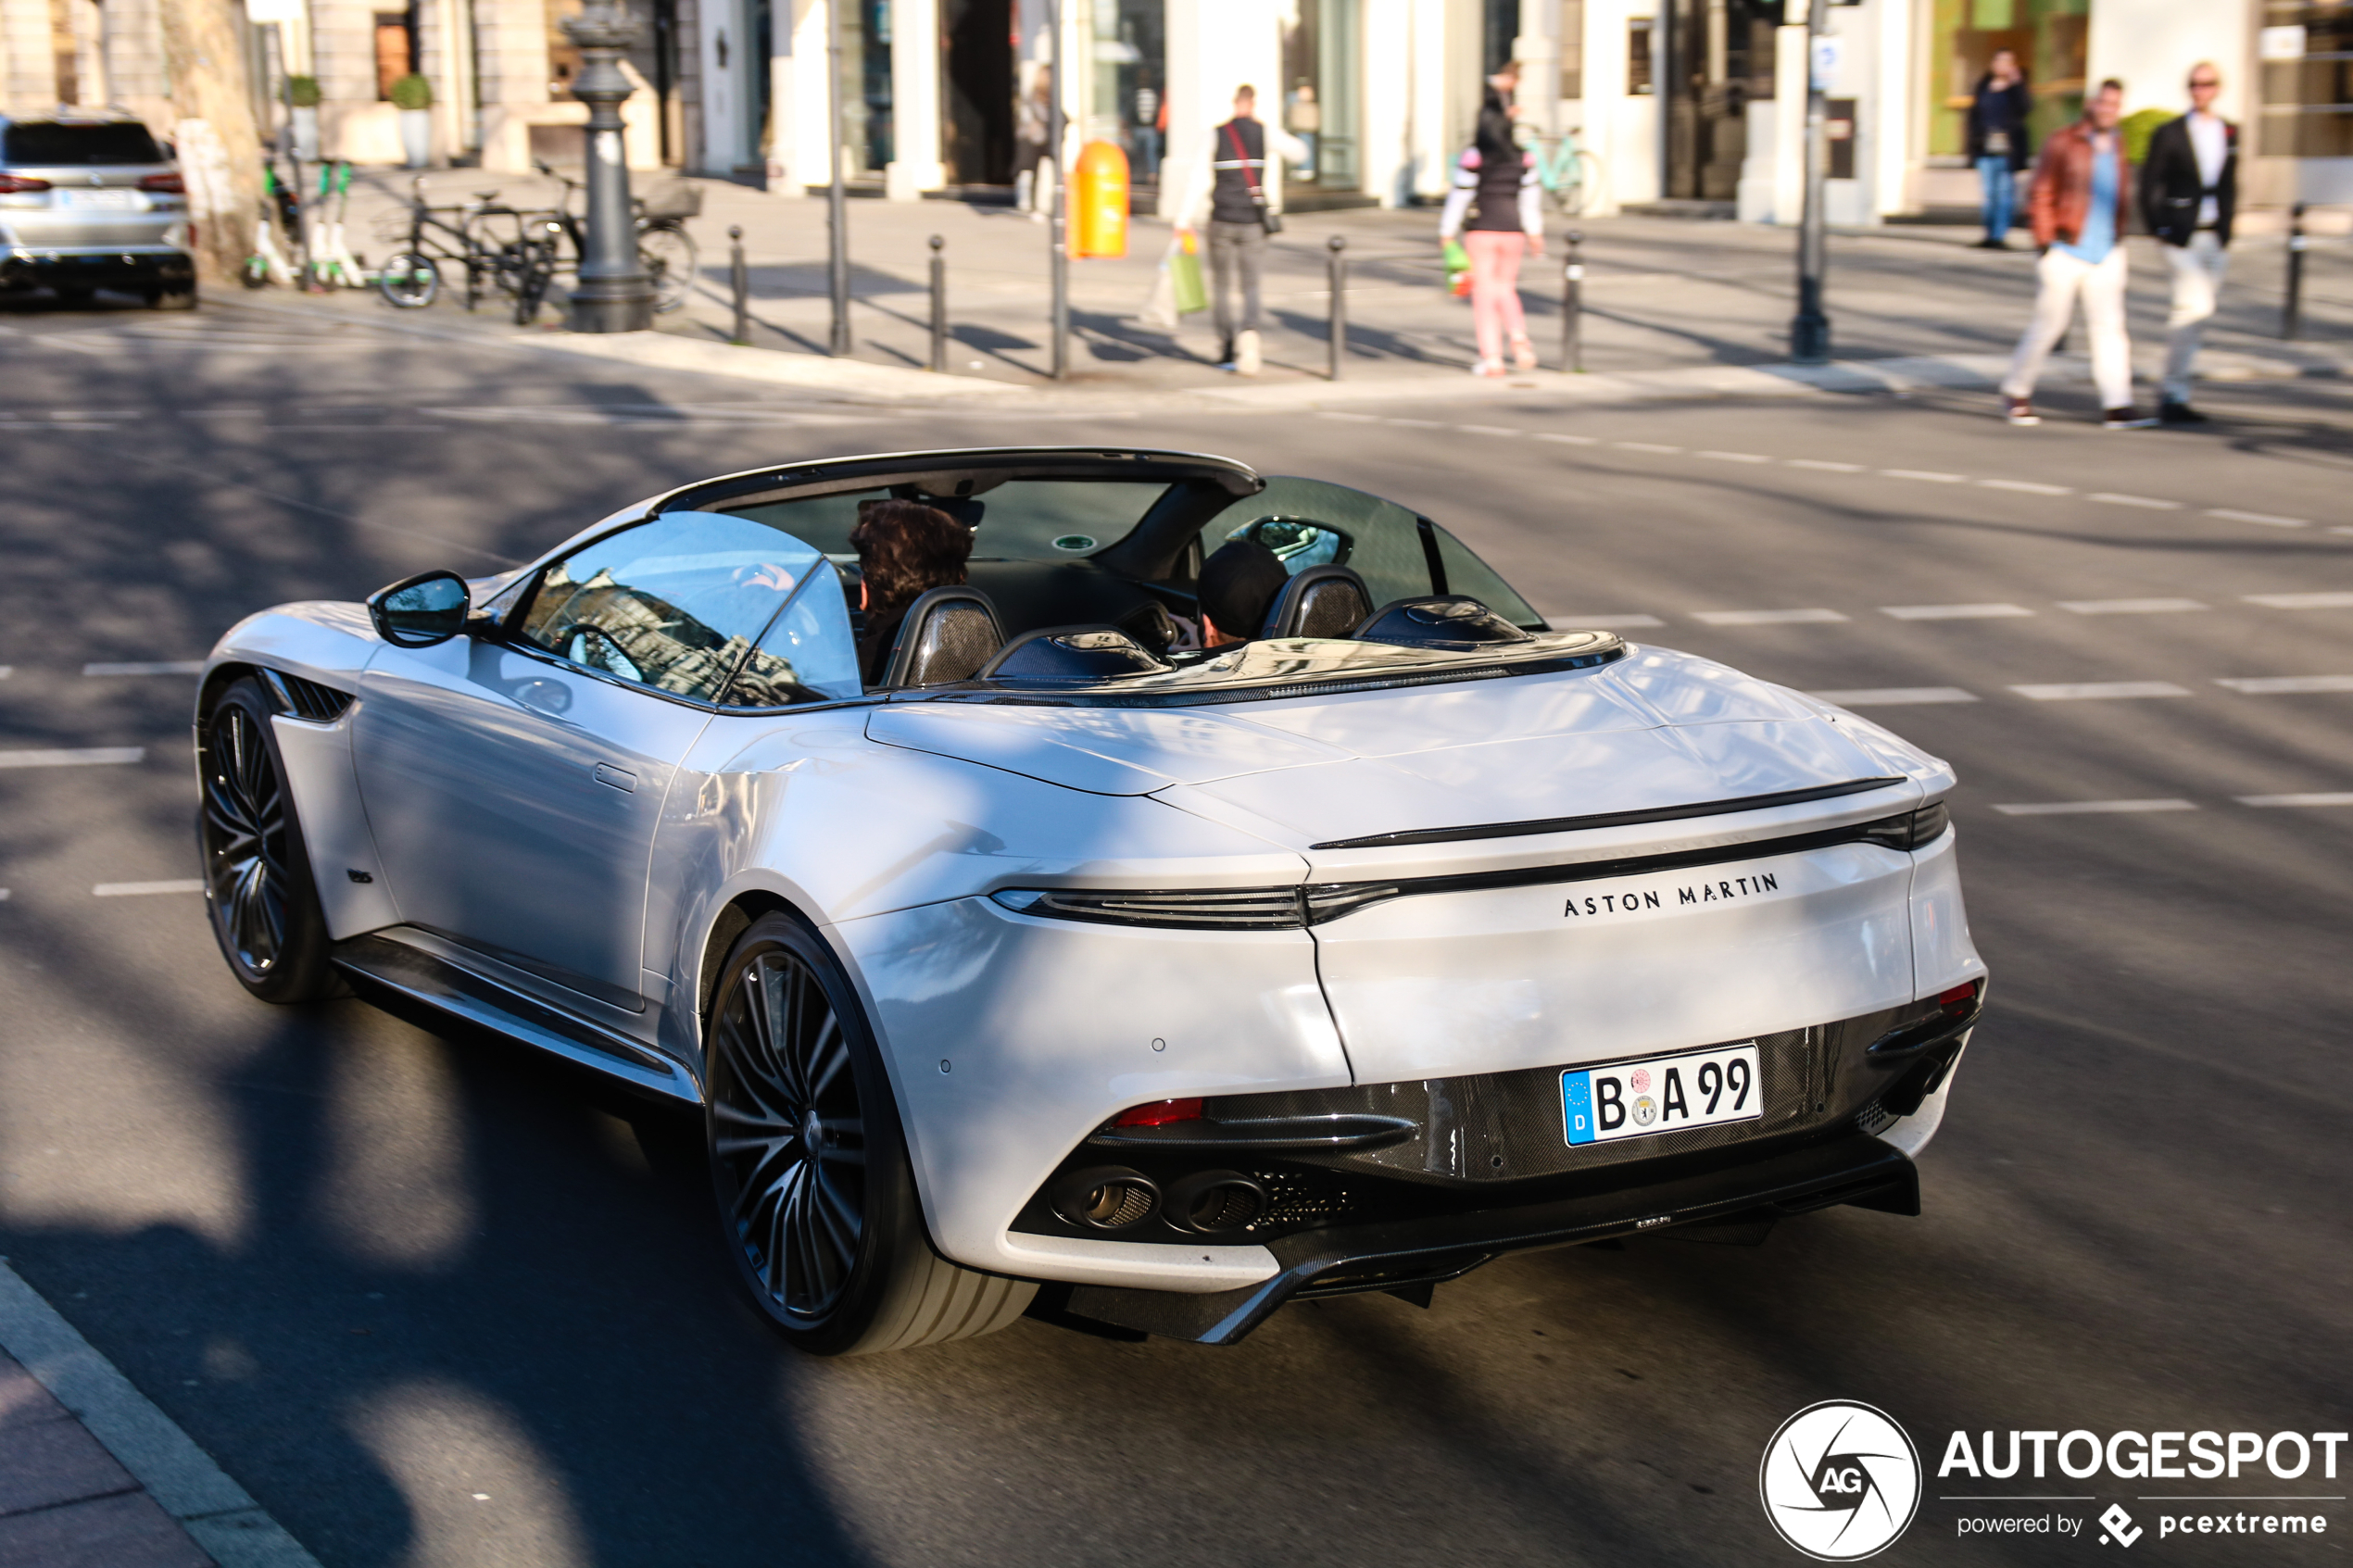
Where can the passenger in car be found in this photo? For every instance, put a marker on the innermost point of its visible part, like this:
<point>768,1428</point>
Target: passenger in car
<point>1239,585</point>
<point>905,548</point>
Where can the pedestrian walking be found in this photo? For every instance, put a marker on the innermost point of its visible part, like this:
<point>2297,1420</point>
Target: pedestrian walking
<point>2079,205</point>
<point>1997,142</point>
<point>1227,179</point>
<point>1496,207</point>
<point>2189,188</point>
<point>1033,124</point>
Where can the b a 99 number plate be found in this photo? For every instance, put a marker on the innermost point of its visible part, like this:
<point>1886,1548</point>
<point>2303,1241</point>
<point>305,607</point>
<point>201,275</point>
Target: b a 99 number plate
<point>1662,1094</point>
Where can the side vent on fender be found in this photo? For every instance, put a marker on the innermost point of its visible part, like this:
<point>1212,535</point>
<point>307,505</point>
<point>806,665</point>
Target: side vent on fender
<point>308,699</point>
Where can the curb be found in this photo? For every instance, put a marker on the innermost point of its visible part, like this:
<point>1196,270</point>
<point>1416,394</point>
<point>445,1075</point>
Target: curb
<point>219,1514</point>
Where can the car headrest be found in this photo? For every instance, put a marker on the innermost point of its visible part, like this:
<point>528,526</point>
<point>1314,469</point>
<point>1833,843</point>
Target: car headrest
<point>1321,601</point>
<point>1438,621</point>
<point>1072,653</point>
<point>946,637</point>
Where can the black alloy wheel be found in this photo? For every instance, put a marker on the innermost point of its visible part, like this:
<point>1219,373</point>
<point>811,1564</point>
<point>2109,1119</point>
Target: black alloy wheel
<point>258,887</point>
<point>788,1141</point>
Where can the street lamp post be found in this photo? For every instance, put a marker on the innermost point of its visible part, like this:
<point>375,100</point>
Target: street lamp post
<point>614,294</point>
<point>836,195</point>
<point>1056,134</point>
<point>1809,329</point>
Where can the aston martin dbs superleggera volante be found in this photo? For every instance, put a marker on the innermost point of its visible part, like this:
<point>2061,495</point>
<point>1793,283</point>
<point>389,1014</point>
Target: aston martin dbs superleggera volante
<point>1073,969</point>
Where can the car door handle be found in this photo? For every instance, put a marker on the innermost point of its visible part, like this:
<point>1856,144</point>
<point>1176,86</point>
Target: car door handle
<point>618,778</point>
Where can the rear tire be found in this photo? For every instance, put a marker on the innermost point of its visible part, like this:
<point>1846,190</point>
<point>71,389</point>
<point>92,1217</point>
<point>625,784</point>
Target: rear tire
<point>816,1200</point>
<point>667,253</point>
<point>410,281</point>
<point>258,891</point>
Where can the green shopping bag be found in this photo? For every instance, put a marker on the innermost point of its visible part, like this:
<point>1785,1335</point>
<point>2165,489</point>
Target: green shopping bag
<point>1457,269</point>
<point>1184,278</point>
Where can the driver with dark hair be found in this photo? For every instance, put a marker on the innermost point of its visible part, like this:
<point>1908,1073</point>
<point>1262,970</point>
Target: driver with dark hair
<point>905,549</point>
<point>1239,585</point>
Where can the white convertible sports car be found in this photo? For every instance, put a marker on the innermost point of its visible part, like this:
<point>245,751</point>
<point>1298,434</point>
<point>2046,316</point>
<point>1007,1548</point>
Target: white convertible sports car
<point>1071,971</point>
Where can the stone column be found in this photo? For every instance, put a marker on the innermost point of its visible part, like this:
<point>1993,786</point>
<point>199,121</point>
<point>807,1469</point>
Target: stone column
<point>914,91</point>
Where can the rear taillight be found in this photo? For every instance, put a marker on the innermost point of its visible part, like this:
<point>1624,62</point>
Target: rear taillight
<point>1959,999</point>
<point>1909,830</point>
<point>16,184</point>
<point>168,183</point>
<point>1159,1113</point>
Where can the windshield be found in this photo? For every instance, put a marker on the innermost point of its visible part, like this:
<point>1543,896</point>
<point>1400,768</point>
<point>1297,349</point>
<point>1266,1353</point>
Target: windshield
<point>1032,520</point>
<point>48,142</point>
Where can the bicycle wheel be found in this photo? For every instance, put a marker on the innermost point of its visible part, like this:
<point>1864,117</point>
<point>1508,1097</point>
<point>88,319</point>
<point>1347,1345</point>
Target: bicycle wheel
<point>667,253</point>
<point>1582,186</point>
<point>410,280</point>
<point>532,270</point>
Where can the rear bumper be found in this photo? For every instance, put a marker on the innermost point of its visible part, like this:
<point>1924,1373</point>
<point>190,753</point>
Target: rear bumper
<point>1395,1254</point>
<point>128,266</point>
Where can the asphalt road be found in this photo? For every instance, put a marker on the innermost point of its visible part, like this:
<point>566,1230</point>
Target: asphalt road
<point>435,1300</point>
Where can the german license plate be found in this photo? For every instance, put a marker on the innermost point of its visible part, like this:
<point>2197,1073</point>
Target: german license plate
<point>1662,1094</point>
<point>100,200</point>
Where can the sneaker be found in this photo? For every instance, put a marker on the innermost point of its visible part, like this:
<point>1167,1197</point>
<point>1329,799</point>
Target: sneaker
<point>2170,413</point>
<point>2019,411</point>
<point>2126,417</point>
<point>1246,355</point>
<point>1487,367</point>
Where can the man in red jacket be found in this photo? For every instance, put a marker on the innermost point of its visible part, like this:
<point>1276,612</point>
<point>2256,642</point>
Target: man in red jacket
<point>2078,206</point>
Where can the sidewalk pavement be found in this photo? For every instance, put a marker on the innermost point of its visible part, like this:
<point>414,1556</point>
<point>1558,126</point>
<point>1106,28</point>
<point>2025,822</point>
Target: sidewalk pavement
<point>94,1476</point>
<point>1671,307</point>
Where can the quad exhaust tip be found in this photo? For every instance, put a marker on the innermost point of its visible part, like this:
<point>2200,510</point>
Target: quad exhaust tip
<point>1214,1202</point>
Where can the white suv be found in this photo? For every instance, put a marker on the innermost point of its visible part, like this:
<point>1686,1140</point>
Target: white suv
<point>90,200</point>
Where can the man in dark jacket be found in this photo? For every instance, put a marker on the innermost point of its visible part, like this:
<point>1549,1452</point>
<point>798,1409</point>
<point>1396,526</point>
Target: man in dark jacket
<point>2078,207</point>
<point>2189,188</point>
<point>1997,142</point>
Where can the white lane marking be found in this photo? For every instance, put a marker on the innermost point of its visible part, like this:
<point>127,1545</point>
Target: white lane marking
<point>2026,487</point>
<point>1352,419</point>
<point>1643,447</point>
<point>1735,456</point>
<point>142,889</point>
<point>1417,424</point>
<point>1568,440</point>
<point>2149,502</point>
<point>155,667</point>
<point>2266,519</point>
<point>1897,696</point>
<point>2337,797</point>
<point>4,895</point>
<point>220,1515</point>
<point>2075,807</point>
<point>88,756</point>
<point>2269,685</point>
<point>2127,607</point>
<point>7,671</point>
<point>1763,617</point>
<point>1822,465</point>
<point>1604,622</point>
<point>2081,691</point>
<point>2341,530</point>
<point>1929,475</point>
<point>1486,429</point>
<point>1953,612</point>
<point>2300,601</point>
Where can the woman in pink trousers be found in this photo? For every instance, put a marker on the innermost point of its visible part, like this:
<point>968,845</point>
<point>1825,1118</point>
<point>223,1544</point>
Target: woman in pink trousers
<point>1497,210</point>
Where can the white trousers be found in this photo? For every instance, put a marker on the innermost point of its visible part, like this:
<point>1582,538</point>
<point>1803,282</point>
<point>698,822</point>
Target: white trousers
<point>2063,278</point>
<point>2197,270</point>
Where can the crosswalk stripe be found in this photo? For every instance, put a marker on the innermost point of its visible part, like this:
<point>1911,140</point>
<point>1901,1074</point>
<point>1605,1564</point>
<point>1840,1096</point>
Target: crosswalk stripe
<point>1953,612</point>
<point>97,756</point>
<point>2086,808</point>
<point>1897,696</point>
<point>2273,685</point>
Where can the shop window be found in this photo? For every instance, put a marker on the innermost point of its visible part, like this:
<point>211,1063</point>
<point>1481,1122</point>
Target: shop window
<point>2048,36</point>
<point>395,50</point>
<point>2307,80</point>
<point>1638,55</point>
<point>1572,40</point>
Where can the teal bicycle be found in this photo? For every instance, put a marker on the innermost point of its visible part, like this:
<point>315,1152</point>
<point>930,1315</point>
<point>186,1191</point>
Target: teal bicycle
<point>1569,174</point>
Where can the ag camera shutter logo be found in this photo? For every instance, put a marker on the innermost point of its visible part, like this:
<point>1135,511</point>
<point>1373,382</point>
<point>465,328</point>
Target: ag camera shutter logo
<point>1840,1481</point>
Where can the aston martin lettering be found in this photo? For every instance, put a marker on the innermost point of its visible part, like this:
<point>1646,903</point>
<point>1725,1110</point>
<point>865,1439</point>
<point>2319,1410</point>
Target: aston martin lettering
<point>1724,890</point>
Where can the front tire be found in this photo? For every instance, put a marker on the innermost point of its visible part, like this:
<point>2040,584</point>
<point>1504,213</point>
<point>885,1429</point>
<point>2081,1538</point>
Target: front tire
<point>258,890</point>
<point>816,1200</point>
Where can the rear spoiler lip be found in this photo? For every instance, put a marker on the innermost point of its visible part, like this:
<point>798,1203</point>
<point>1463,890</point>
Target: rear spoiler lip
<point>1611,819</point>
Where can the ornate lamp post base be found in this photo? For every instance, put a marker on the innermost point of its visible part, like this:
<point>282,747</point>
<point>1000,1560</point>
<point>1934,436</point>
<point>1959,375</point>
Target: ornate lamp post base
<point>614,294</point>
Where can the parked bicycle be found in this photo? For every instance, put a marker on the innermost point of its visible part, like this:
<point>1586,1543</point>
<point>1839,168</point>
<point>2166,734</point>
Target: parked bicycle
<point>664,248</point>
<point>1568,174</point>
<point>490,247</point>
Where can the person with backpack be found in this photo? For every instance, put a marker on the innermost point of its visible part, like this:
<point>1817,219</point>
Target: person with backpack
<point>1226,182</point>
<point>1496,209</point>
<point>2189,191</point>
<point>1997,142</point>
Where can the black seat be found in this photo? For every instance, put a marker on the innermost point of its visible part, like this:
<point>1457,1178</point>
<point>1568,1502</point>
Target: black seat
<point>1322,601</point>
<point>947,635</point>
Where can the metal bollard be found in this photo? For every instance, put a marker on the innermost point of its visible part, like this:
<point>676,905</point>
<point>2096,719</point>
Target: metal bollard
<point>739,279</point>
<point>938,305</point>
<point>1336,263</point>
<point>1573,307</point>
<point>2292,308</point>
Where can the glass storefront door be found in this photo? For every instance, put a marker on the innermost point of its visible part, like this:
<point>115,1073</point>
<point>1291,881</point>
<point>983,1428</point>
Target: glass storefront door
<point>1130,87</point>
<point>2048,36</point>
<point>1323,55</point>
<point>1718,61</point>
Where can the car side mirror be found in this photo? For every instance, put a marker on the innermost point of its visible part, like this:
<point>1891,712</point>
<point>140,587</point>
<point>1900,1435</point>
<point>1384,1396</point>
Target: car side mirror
<point>421,610</point>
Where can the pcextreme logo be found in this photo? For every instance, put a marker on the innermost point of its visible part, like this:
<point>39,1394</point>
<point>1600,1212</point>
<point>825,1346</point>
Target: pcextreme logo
<point>1840,1481</point>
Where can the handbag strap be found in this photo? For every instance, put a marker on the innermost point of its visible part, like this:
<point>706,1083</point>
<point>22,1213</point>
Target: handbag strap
<point>1241,156</point>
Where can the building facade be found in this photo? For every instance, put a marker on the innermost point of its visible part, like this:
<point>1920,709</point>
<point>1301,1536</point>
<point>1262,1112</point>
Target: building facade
<point>1695,103</point>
